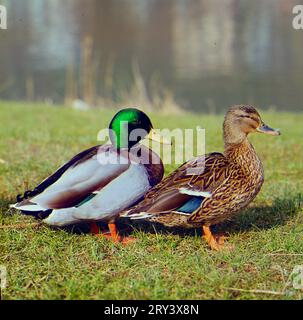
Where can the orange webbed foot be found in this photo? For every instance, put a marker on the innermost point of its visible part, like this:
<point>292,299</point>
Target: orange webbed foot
<point>111,235</point>
<point>127,240</point>
<point>215,242</point>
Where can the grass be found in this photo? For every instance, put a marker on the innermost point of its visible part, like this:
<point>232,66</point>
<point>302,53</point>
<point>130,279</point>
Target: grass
<point>45,263</point>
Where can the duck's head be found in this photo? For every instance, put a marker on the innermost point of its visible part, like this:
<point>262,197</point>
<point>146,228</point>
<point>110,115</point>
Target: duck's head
<point>240,121</point>
<point>131,125</point>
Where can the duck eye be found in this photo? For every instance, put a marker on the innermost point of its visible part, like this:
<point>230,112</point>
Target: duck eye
<point>247,117</point>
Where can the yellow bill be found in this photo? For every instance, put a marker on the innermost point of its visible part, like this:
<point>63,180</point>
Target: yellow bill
<point>155,136</point>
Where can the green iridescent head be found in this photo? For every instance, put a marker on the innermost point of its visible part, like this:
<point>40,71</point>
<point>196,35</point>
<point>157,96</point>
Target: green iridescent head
<point>128,127</point>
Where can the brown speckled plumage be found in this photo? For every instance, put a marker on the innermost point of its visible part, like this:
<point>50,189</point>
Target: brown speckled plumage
<point>232,179</point>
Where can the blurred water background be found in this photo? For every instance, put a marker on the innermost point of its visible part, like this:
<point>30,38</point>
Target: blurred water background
<point>200,55</point>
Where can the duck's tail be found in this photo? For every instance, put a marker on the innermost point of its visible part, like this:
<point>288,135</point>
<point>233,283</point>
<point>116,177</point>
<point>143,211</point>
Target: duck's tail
<point>32,209</point>
<point>136,216</point>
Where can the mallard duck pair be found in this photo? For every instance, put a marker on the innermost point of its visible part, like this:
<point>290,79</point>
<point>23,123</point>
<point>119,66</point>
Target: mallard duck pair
<point>202,192</point>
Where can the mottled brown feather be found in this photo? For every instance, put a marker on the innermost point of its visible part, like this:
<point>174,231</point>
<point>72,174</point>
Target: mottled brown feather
<point>233,179</point>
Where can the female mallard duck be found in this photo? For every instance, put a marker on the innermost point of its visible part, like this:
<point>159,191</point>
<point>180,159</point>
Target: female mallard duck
<point>212,188</point>
<point>101,181</point>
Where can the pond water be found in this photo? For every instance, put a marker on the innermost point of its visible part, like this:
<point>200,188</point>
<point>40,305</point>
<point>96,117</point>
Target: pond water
<point>209,53</point>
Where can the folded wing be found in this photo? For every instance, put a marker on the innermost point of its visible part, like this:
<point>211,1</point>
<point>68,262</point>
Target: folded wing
<point>83,175</point>
<point>184,190</point>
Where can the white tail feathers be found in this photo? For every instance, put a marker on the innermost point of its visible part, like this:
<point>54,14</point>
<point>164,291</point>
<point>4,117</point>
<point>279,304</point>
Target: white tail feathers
<point>137,216</point>
<point>28,207</point>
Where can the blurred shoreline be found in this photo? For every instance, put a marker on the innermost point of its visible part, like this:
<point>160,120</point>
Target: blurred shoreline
<point>196,55</point>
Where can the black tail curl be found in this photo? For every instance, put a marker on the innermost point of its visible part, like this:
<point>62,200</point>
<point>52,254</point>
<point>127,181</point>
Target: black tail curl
<point>27,194</point>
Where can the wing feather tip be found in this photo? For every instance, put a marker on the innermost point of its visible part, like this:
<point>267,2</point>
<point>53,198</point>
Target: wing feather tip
<point>189,192</point>
<point>137,216</point>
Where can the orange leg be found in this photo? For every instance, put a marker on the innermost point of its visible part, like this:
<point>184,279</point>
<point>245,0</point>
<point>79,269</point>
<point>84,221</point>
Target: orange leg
<point>113,232</point>
<point>215,244</point>
<point>111,235</point>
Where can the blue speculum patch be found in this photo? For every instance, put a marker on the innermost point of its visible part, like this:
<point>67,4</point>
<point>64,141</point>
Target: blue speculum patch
<point>92,195</point>
<point>191,205</point>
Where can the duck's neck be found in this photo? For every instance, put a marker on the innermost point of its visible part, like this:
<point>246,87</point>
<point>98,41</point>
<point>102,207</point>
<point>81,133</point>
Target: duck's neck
<point>244,155</point>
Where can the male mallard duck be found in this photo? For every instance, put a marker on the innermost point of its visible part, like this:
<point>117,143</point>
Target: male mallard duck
<point>99,182</point>
<point>211,188</point>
